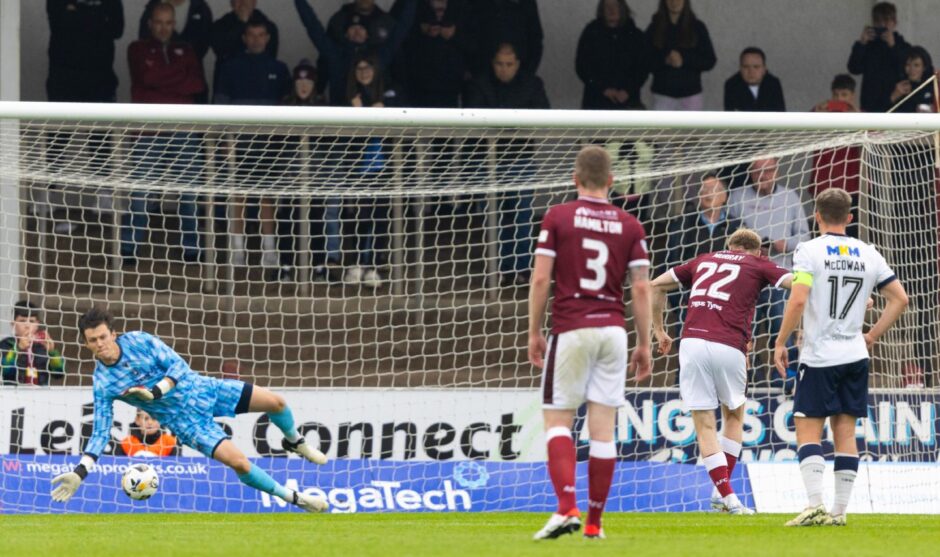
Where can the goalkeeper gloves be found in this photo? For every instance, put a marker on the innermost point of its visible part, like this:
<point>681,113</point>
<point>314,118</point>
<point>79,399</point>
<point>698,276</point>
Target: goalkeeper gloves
<point>149,395</point>
<point>68,483</point>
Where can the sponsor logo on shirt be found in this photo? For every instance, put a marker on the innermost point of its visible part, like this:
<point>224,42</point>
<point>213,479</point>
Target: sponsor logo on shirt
<point>843,251</point>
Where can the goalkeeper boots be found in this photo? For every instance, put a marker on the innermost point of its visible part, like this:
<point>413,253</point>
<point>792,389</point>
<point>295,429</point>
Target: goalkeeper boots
<point>310,503</point>
<point>559,525</point>
<point>303,449</point>
<point>811,516</point>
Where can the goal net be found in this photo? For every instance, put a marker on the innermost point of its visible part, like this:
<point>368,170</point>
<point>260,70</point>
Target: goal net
<point>372,266</point>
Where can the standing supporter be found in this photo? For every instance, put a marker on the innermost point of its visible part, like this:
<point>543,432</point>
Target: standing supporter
<point>254,77</point>
<point>147,438</point>
<point>713,353</point>
<point>496,22</point>
<point>587,247</point>
<point>228,30</point>
<point>753,88</point>
<point>336,56</point>
<point>506,86</point>
<point>878,56</point>
<point>29,357</point>
<point>81,49</point>
<point>193,23</point>
<point>682,50</point>
<point>612,59</point>
<point>774,212</point>
<point>163,70</point>
<point>840,167</point>
<point>918,68</point>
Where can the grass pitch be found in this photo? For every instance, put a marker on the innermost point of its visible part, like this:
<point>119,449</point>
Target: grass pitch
<point>476,534</point>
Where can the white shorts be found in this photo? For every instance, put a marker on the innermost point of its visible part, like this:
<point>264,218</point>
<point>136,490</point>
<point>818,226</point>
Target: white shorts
<point>711,373</point>
<point>585,365</point>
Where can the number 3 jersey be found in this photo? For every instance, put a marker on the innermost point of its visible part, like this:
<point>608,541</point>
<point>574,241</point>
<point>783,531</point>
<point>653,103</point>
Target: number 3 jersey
<point>844,271</point>
<point>725,286</point>
<point>593,243</point>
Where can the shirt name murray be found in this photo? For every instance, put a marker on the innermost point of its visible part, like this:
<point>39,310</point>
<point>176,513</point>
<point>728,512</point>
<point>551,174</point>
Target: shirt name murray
<point>844,265</point>
<point>598,225</point>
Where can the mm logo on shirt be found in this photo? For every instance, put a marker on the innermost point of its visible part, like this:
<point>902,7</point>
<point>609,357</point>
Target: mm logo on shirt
<point>843,250</point>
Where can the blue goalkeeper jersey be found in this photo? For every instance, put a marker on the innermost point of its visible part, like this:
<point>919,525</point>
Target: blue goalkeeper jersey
<point>144,361</point>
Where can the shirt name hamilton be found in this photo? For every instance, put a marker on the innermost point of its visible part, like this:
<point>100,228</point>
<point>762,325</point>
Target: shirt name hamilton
<point>598,225</point>
<point>844,265</point>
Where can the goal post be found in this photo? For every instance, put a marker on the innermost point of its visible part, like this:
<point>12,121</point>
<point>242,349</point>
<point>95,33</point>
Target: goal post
<point>372,265</point>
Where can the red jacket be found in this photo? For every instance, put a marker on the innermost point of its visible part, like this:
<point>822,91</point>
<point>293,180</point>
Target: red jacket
<point>171,78</point>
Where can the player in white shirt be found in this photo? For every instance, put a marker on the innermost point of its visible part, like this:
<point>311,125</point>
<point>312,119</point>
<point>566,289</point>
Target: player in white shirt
<point>833,277</point>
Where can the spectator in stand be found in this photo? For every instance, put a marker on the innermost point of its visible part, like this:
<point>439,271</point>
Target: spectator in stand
<point>193,26</point>
<point>436,53</point>
<point>507,86</point>
<point>163,70</point>
<point>612,59</point>
<point>147,438</point>
<point>228,32</point>
<point>496,22</point>
<point>81,49</point>
<point>878,56</point>
<point>254,77</point>
<point>336,56</point>
<point>682,50</point>
<point>361,22</point>
<point>918,68</point>
<point>29,357</point>
<point>753,88</point>
<point>776,213</point>
<point>840,167</point>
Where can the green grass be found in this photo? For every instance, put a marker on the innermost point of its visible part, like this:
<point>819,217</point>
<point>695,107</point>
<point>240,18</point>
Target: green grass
<point>477,534</point>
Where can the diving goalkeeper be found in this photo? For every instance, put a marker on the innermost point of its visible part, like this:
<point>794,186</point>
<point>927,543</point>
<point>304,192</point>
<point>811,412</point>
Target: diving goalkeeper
<point>141,370</point>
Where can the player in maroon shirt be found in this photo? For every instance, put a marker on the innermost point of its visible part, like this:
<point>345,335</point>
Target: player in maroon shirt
<point>712,355</point>
<point>585,358</point>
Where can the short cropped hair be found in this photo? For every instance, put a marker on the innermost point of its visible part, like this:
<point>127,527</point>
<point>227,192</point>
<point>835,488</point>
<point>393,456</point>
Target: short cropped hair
<point>592,167</point>
<point>884,10</point>
<point>834,206</point>
<point>753,50</point>
<point>93,318</point>
<point>27,309</point>
<point>843,81</point>
<point>744,238</point>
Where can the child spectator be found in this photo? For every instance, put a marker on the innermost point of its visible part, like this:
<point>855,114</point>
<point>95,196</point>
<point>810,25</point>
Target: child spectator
<point>29,356</point>
<point>682,50</point>
<point>918,68</point>
<point>612,59</point>
<point>842,98</point>
<point>878,56</point>
<point>147,438</point>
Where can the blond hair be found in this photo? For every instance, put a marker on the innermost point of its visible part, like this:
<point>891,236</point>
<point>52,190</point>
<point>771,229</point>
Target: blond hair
<point>744,239</point>
<point>592,167</point>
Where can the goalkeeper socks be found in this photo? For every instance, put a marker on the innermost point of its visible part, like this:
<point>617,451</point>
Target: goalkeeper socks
<point>812,467</point>
<point>260,480</point>
<point>732,450</point>
<point>561,467</point>
<point>846,468</point>
<point>284,420</point>
<point>717,468</point>
<point>601,462</point>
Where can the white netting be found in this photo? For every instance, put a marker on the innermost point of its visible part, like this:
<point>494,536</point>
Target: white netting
<point>388,264</point>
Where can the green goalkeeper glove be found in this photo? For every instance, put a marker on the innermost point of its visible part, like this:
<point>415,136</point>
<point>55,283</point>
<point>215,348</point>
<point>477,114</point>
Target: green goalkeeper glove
<point>68,483</point>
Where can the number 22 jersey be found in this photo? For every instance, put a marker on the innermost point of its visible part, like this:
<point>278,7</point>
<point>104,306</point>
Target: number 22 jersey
<point>725,286</point>
<point>593,243</point>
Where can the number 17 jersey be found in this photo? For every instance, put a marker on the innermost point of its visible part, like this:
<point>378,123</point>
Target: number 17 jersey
<point>593,244</point>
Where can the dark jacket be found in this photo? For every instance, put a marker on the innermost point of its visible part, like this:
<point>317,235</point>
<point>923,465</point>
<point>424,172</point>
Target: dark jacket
<point>525,91</point>
<point>923,97</point>
<point>35,366</point>
<point>226,39</point>
<point>881,68</point>
<point>336,56</point>
<point>512,21</point>
<point>81,49</point>
<point>253,79</point>
<point>197,31</point>
<point>687,80</point>
<point>690,237</point>
<point>611,58</point>
<point>769,95</point>
<point>378,24</point>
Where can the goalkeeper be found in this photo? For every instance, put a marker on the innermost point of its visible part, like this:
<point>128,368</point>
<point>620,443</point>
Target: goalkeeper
<point>141,370</point>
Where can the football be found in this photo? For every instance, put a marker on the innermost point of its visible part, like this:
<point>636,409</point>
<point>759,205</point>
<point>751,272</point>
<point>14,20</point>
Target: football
<point>140,481</point>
